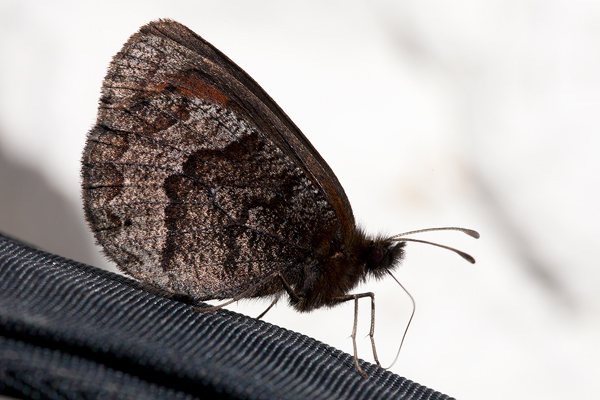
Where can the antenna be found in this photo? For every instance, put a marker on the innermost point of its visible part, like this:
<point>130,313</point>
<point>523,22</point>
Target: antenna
<point>400,238</point>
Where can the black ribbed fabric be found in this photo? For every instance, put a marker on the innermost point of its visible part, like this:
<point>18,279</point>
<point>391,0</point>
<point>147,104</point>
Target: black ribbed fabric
<point>71,331</point>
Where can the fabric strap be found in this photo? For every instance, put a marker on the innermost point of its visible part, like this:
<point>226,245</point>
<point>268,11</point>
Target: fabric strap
<point>69,330</point>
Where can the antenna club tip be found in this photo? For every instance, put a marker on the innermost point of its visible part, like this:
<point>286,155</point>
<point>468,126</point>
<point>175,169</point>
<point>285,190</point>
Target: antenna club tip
<point>466,256</point>
<point>472,233</point>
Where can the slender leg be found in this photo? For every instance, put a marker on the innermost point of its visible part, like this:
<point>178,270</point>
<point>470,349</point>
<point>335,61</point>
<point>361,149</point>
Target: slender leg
<point>286,286</point>
<point>268,308</point>
<point>240,296</point>
<point>296,298</point>
<point>249,291</point>
<point>360,370</point>
<point>372,330</point>
<point>355,297</point>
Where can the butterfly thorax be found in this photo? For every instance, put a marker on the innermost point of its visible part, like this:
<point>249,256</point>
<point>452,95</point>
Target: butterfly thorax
<point>340,267</point>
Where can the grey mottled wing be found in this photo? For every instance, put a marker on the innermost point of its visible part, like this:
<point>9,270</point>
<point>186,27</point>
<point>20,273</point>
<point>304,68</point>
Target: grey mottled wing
<point>183,189</point>
<point>259,107</point>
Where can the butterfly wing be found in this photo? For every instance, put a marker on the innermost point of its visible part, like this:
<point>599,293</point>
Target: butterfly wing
<point>258,106</point>
<point>193,179</point>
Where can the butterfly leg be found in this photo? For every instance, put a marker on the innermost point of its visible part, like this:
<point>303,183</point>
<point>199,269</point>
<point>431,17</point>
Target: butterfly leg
<point>268,308</point>
<point>296,298</point>
<point>355,297</point>
<point>242,295</point>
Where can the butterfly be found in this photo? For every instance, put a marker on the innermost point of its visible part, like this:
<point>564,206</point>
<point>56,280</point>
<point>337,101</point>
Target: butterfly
<point>197,183</point>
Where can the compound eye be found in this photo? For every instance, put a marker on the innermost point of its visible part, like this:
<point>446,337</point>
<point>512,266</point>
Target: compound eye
<point>377,255</point>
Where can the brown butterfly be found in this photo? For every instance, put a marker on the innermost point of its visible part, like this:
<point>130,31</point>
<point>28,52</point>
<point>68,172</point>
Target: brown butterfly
<point>197,183</point>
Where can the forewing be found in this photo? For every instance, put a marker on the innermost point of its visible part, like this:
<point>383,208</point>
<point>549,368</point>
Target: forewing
<point>181,187</point>
<point>259,107</point>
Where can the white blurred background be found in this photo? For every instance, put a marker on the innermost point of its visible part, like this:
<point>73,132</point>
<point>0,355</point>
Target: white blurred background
<point>476,114</point>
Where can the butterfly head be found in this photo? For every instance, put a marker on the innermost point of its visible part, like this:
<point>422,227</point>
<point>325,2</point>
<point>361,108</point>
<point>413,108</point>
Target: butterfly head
<point>381,256</point>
